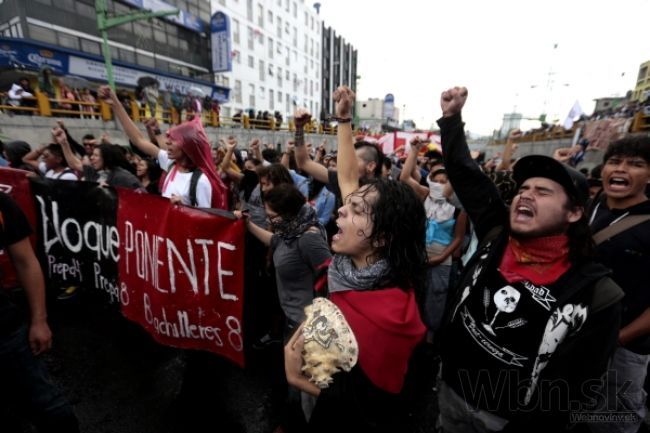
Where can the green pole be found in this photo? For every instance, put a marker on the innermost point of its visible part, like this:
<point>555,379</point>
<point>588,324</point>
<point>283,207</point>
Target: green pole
<point>104,23</point>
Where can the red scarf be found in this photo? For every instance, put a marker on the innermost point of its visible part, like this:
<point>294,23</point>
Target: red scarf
<point>538,260</point>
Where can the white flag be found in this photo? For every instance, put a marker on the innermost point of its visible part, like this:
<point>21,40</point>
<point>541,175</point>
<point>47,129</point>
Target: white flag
<point>575,113</point>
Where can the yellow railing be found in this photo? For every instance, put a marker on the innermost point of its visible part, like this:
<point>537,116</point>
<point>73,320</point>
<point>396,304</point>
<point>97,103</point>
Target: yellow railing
<point>641,122</point>
<point>52,107</point>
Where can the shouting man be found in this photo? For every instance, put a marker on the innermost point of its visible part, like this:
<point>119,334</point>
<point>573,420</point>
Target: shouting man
<point>534,320</point>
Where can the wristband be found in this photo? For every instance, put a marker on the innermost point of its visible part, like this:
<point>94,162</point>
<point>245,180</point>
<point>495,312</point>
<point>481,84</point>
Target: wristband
<point>343,120</point>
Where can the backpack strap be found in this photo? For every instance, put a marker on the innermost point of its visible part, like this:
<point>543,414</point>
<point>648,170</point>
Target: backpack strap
<point>194,181</point>
<point>67,170</point>
<point>612,230</point>
<point>606,293</point>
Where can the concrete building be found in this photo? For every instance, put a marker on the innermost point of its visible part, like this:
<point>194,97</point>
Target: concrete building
<point>339,68</point>
<point>642,89</point>
<point>63,34</point>
<point>276,57</point>
<point>610,103</point>
<point>376,114</point>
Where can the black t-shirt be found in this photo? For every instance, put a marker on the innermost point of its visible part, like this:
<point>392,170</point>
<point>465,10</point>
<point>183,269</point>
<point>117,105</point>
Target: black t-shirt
<point>496,335</point>
<point>627,255</point>
<point>13,228</point>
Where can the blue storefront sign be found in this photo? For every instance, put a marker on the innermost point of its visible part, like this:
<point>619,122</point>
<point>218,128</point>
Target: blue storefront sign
<point>221,51</point>
<point>30,55</point>
<point>26,56</point>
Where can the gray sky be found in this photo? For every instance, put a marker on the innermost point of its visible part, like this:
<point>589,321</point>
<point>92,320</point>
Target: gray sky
<point>498,49</point>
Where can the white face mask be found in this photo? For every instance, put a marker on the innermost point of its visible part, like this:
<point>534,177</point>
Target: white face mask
<point>436,190</point>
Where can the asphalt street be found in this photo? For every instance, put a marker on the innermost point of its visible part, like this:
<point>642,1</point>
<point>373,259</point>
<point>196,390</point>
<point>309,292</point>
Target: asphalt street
<point>120,381</point>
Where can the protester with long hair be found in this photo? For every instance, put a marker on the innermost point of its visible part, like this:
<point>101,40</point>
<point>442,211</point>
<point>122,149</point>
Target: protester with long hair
<point>187,155</point>
<point>148,173</point>
<point>376,280</point>
<point>107,164</point>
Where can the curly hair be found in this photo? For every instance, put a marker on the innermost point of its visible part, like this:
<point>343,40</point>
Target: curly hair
<point>398,232</point>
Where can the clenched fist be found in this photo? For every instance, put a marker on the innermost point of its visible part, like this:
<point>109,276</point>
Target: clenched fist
<point>453,100</point>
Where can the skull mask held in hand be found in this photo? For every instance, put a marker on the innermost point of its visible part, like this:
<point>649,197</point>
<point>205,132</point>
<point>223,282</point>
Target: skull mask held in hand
<point>330,345</point>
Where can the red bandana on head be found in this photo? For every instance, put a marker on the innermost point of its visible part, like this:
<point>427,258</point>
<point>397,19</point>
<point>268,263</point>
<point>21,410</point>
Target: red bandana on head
<point>538,260</point>
<point>193,141</point>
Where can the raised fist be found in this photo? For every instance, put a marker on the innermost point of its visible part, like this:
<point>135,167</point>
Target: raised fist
<point>106,93</point>
<point>301,117</point>
<point>58,135</point>
<point>254,144</point>
<point>344,98</point>
<point>453,100</point>
<point>418,143</point>
<point>231,143</point>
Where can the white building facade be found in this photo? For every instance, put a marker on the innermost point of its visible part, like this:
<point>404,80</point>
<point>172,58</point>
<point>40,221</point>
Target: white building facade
<point>276,56</point>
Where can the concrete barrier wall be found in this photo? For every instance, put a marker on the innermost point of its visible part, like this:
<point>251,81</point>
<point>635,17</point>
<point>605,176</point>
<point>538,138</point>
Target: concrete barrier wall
<point>35,130</point>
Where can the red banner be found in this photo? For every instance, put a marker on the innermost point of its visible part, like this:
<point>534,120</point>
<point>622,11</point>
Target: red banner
<point>16,184</point>
<point>181,274</point>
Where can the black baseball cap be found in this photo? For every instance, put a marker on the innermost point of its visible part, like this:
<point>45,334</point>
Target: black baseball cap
<point>575,183</point>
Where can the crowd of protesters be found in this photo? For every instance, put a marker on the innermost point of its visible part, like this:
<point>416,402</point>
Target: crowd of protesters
<point>523,275</point>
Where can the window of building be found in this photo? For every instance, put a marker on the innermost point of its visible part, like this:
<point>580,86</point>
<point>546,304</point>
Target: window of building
<point>237,91</point>
<point>311,88</point>
<point>305,66</point>
<point>251,39</point>
<point>225,81</point>
<point>67,5</point>
<point>287,74</point>
<point>237,56</point>
<point>295,37</point>
<point>287,60</point>
<point>222,2</point>
<point>270,47</point>
<point>251,61</point>
<point>127,56</point>
<point>249,10</point>
<point>312,23</point>
<point>262,92</point>
<point>295,10</point>
<point>160,36</point>
<point>286,5</point>
<point>86,11</point>
<point>306,19</point>
<point>68,41</point>
<point>260,15</point>
<point>147,61</point>
<point>271,100</point>
<point>235,31</point>
<point>270,18</point>
<point>279,33</point>
<point>90,47</point>
<point>251,95</point>
<point>279,76</point>
<point>279,48</point>
<point>41,33</point>
<point>172,41</point>
<point>183,45</point>
<point>295,82</point>
<point>288,104</point>
<point>161,65</point>
<point>279,97</point>
<point>262,71</point>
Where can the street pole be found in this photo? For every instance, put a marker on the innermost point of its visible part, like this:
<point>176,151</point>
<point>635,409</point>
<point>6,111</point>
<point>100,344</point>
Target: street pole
<point>104,23</point>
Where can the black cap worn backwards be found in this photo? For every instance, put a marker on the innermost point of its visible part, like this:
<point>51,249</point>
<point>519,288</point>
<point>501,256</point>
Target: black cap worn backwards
<point>575,183</point>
